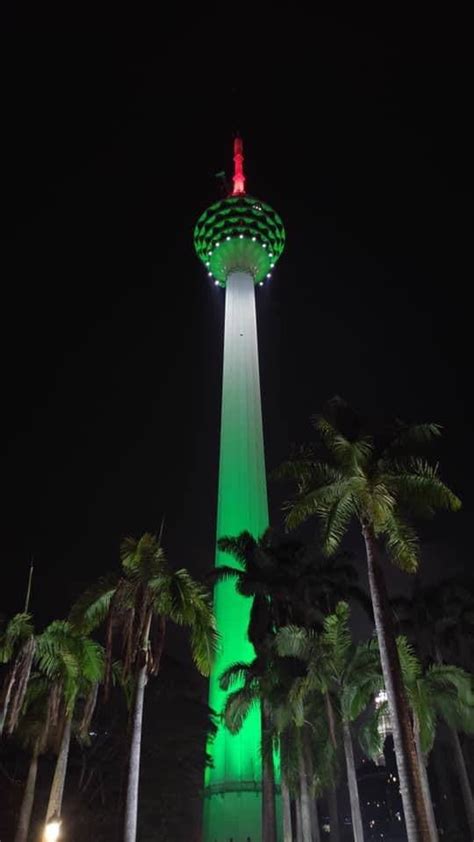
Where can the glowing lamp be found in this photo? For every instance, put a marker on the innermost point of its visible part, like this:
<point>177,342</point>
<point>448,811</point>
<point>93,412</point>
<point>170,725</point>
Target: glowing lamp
<point>52,830</point>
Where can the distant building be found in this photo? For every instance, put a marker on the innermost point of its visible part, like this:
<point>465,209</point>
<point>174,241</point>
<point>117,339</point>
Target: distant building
<point>381,803</point>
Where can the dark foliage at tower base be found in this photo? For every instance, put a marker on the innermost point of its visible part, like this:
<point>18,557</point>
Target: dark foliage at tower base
<point>175,727</point>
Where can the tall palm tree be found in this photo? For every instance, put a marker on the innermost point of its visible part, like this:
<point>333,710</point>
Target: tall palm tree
<point>353,475</point>
<point>265,575</point>
<point>74,664</point>
<point>289,582</point>
<point>347,676</point>
<point>31,732</point>
<point>138,603</point>
<point>17,648</point>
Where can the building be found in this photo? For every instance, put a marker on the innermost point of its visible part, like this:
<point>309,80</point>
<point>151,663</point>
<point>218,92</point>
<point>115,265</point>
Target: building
<point>239,239</point>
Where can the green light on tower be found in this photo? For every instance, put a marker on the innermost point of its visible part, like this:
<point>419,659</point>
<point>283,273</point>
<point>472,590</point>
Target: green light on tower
<point>239,239</point>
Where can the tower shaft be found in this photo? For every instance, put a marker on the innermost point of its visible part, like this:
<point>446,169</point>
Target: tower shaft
<point>233,785</point>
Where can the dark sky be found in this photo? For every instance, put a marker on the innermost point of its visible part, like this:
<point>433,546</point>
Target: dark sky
<point>356,130</point>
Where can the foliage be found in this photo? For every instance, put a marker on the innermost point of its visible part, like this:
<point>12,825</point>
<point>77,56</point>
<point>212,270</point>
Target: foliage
<point>138,603</point>
<point>334,665</point>
<point>17,649</point>
<point>378,480</point>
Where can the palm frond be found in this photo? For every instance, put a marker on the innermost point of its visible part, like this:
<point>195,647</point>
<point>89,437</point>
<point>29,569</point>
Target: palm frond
<point>336,518</point>
<point>317,500</point>
<point>418,482</point>
<point>222,573</point>
<point>17,631</point>
<point>299,467</point>
<point>237,673</point>
<point>241,547</point>
<point>92,607</point>
<point>238,706</point>
<point>204,644</point>
<point>401,542</point>
<point>337,638</point>
<point>295,642</point>
<point>424,714</point>
<point>19,678</point>
<point>413,436</point>
<point>371,738</point>
<point>409,663</point>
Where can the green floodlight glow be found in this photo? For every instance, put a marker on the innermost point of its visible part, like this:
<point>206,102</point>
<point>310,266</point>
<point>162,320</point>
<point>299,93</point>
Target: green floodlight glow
<point>239,240</point>
<point>239,234</point>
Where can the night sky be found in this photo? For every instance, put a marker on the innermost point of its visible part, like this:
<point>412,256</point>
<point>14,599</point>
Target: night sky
<point>356,130</point>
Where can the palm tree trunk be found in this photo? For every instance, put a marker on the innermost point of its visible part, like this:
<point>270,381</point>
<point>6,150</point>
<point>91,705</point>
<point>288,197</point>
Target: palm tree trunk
<point>357,827</point>
<point>57,787</point>
<point>299,821</point>
<point>461,770</point>
<point>416,820</point>
<point>313,806</point>
<point>131,805</point>
<point>315,821</point>
<point>6,702</point>
<point>444,788</point>
<point>28,798</point>
<point>286,805</point>
<point>425,781</point>
<point>304,793</point>
<point>269,833</point>
<point>333,814</point>
<point>332,795</point>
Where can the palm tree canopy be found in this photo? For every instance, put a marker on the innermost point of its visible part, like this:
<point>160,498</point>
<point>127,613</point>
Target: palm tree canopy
<point>149,592</point>
<point>70,659</point>
<point>334,664</point>
<point>17,649</point>
<point>289,581</point>
<point>18,630</point>
<point>441,692</point>
<point>378,480</point>
<point>439,619</point>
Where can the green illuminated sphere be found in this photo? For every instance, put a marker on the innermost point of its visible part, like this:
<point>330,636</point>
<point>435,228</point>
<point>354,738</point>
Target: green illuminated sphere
<point>239,234</point>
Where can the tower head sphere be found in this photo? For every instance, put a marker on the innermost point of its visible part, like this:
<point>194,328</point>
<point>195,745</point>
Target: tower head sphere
<point>239,233</point>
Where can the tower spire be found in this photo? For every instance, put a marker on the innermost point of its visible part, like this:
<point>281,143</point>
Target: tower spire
<point>239,178</point>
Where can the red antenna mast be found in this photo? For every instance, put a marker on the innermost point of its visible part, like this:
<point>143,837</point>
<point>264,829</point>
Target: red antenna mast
<point>239,178</point>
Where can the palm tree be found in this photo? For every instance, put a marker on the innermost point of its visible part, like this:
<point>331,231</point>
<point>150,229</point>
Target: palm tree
<point>289,581</point>
<point>73,664</point>
<point>346,675</point>
<point>439,622</point>
<point>17,648</point>
<point>267,681</point>
<point>258,680</point>
<point>264,575</point>
<point>31,733</point>
<point>352,475</point>
<point>442,692</point>
<point>139,602</point>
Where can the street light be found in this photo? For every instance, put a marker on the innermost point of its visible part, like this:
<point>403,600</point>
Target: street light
<point>52,830</point>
